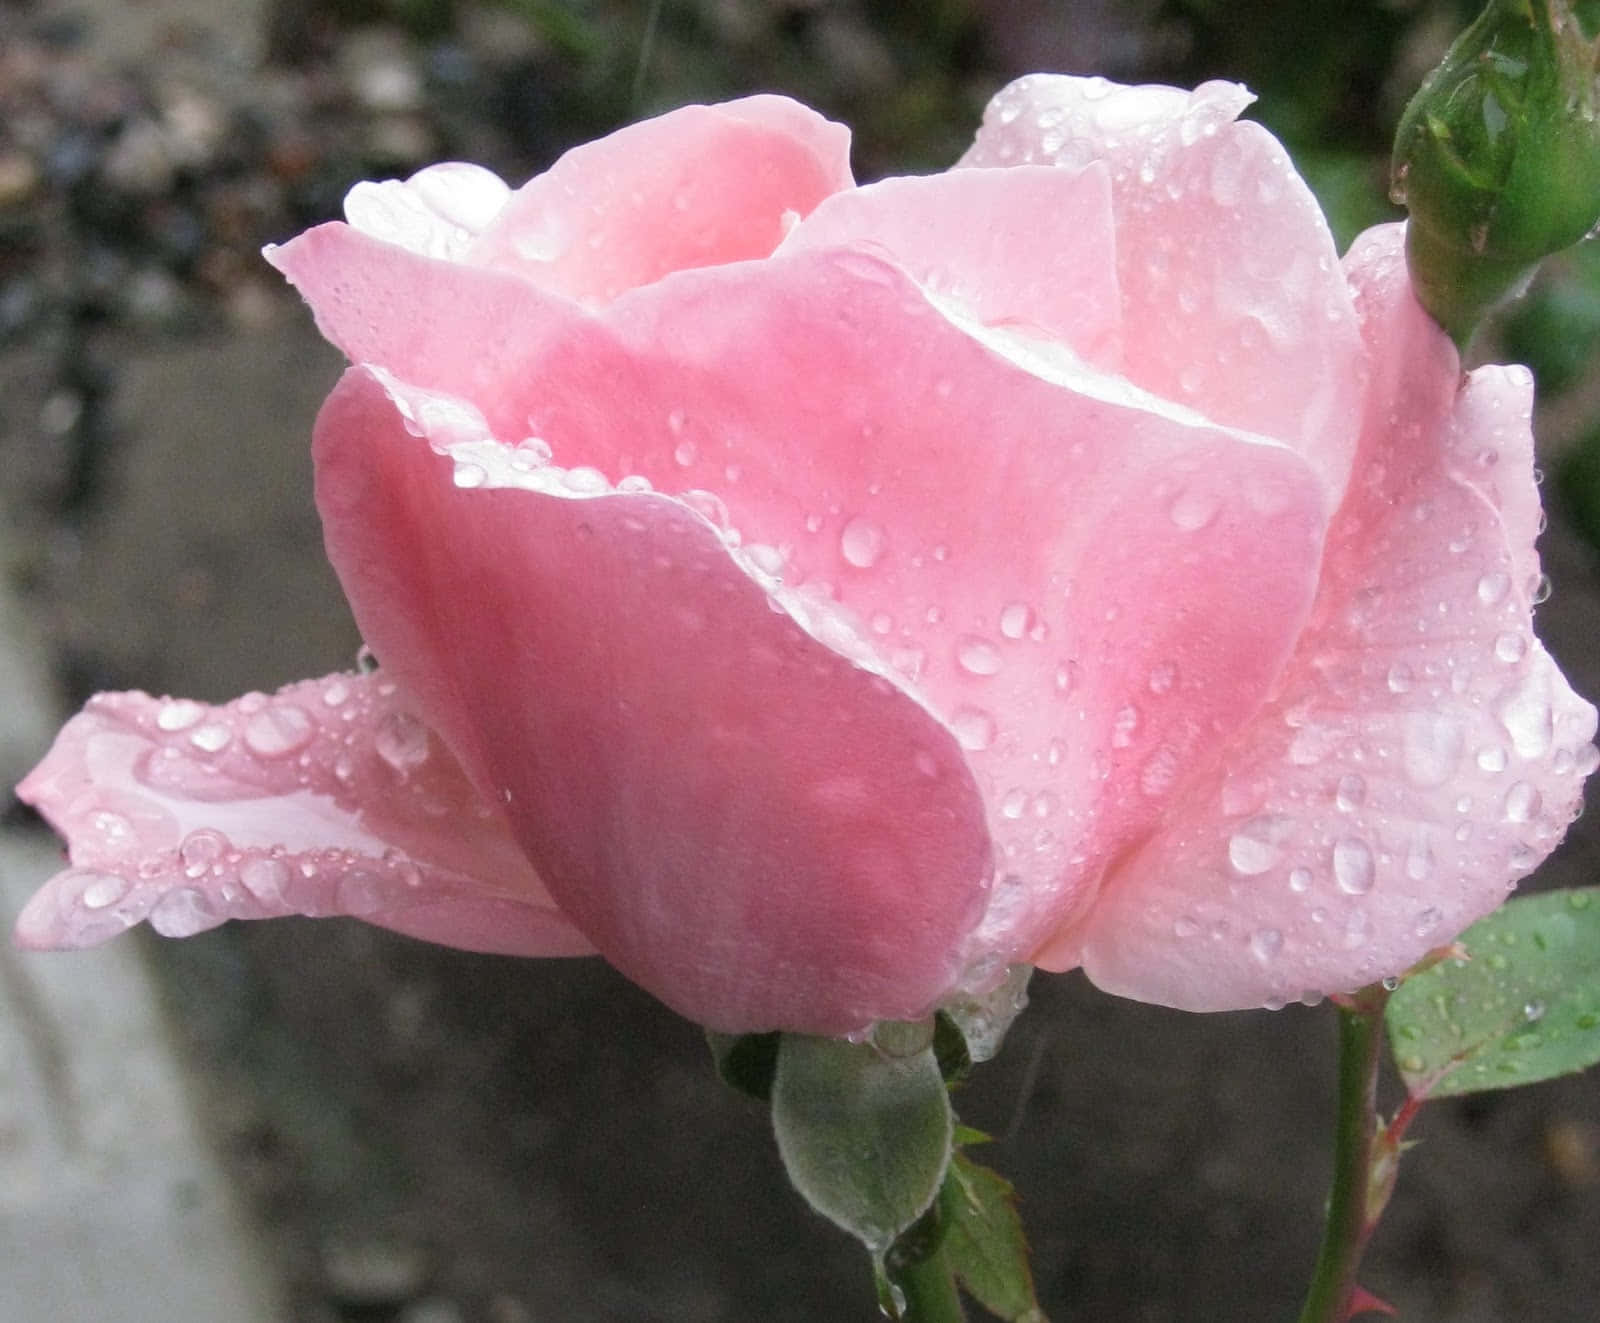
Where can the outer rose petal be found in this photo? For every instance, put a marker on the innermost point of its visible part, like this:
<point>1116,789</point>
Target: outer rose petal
<point>327,798</point>
<point>695,187</point>
<point>1232,298</point>
<point>988,242</point>
<point>743,822</point>
<point>1423,754</point>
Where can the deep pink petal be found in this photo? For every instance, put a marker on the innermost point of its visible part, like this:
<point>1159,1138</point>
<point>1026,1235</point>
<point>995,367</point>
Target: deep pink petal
<point>329,797</point>
<point>1423,754</point>
<point>988,245</point>
<point>698,186</point>
<point>1232,298</point>
<point>745,823</point>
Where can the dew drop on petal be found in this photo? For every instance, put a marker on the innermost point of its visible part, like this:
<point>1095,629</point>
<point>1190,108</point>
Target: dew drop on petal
<point>1491,758</point>
<point>1124,725</point>
<point>102,889</point>
<point>1162,678</point>
<point>200,849</point>
<point>1192,510</point>
<point>1013,805</point>
<point>179,714</point>
<point>862,543</point>
<point>1350,793</point>
<point>278,730</point>
<point>213,737</point>
<point>1432,747</point>
<point>402,742</point>
<point>1522,803</point>
<point>183,913</point>
<point>977,656</point>
<point>1511,647</point>
<point>335,694</point>
<point>1253,848</point>
<point>1492,588</point>
<point>1016,620</point>
<point>973,728</point>
<point>1299,880</point>
<point>1184,926</point>
<point>1265,943</point>
<point>265,879</point>
<point>1400,678</point>
<point>468,475</point>
<point>1352,866</point>
<point>1159,773</point>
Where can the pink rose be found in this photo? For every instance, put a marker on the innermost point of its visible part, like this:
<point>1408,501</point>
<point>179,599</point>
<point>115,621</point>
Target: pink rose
<point>814,598</point>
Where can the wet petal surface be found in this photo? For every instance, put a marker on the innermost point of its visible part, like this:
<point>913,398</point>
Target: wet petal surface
<point>744,822</point>
<point>1423,754</point>
<point>327,798</point>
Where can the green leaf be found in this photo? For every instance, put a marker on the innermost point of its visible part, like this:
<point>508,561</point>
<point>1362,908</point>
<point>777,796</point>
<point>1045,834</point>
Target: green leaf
<point>864,1134</point>
<point>983,1241</point>
<point>746,1062</point>
<point>1524,1007</point>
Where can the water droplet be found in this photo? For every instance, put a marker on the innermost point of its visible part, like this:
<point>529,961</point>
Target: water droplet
<point>1352,866</point>
<point>1066,677</point>
<point>1511,647</point>
<point>1492,588</point>
<point>1539,593</point>
<point>1522,803</point>
<point>467,474</point>
<point>708,505</point>
<point>1400,678</point>
<point>1428,920</point>
<point>1413,1064</point>
<point>1300,880</point>
<point>1357,928</point>
<point>977,656</point>
<point>179,714</point>
<point>183,913</point>
<point>278,730</point>
<point>1391,982</point>
<point>585,480</point>
<point>360,892</point>
<point>213,737</point>
<point>1192,510</point>
<point>1185,926</point>
<point>102,889</point>
<point>1525,713</point>
<point>1123,726</point>
<point>336,693</point>
<point>1254,847</point>
<point>973,728</point>
<point>1433,744</point>
<point>1016,620</point>
<point>1160,772</point>
<point>683,454</point>
<point>1533,1011</point>
<point>1419,861</point>
<point>1014,804</point>
<point>1351,792</point>
<point>1056,753</point>
<point>1492,759</point>
<point>1265,943</point>
<point>1162,678</point>
<point>265,879</point>
<point>402,742</point>
<point>862,543</point>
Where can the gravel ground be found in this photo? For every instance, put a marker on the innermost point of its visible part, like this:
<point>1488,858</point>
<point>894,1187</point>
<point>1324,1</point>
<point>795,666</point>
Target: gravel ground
<point>426,1136</point>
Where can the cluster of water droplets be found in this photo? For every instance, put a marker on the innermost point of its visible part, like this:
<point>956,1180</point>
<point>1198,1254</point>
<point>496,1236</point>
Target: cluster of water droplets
<point>339,740</point>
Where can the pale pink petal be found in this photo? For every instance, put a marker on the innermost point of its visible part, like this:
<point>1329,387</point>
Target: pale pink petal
<point>1033,248</point>
<point>745,823</point>
<point>1005,542</point>
<point>699,186</point>
<point>328,797</point>
<point>1232,298</point>
<point>437,212</point>
<point>1423,754</point>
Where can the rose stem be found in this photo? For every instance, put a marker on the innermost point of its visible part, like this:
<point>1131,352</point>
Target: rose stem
<point>1350,1220</point>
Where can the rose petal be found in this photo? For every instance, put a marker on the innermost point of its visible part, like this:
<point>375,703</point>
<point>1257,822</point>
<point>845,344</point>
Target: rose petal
<point>1424,752</point>
<point>1232,298</point>
<point>973,239</point>
<point>712,795</point>
<point>329,797</point>
<point>698,186</point>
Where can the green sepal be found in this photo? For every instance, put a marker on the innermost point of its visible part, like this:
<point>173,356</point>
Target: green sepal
<point>864,1133</point>
<point>983,1242</point>
<point>746,1062</point>
<point>1522,1006</point>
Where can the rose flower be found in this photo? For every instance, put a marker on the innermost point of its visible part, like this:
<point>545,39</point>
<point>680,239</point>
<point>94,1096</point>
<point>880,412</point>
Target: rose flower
<point>817,598</point>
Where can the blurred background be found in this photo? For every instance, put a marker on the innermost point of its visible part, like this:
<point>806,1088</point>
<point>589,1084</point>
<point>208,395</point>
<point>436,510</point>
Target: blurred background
<point>305,1122</point>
